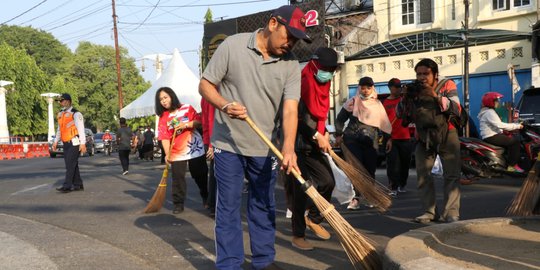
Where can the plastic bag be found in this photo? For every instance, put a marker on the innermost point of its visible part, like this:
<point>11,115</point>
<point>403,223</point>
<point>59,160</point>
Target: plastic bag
<point>437,167</point>
<point>343,191</point>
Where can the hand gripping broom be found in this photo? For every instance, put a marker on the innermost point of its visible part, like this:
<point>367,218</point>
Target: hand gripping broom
<point>155,204</point>
<point>526,201</point>
<point>360,251</point>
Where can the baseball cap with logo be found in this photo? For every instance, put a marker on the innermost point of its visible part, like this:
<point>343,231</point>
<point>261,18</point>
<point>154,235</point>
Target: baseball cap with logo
<point>65,97</point>
<point>293,19</point>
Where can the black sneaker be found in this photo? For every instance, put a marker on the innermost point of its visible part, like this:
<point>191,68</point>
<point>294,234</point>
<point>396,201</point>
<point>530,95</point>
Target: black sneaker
<point>79,188</point>
<point>178,209</point>
<point>64,189</point>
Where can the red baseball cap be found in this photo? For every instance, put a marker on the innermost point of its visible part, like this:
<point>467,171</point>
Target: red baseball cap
<point>293,19</point>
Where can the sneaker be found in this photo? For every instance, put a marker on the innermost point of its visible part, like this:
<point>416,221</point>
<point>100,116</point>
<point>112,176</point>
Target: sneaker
<point>178,209</point>
<point>354,204</point>
<point>393,193</point>
<point>451,219</point>
<point>518,169</point>
<point>125,172</point>
<point>288,214</point>
<point>317,229</point>
<point>401,190</point>
<point>425,218</point>
<point>301,243</point>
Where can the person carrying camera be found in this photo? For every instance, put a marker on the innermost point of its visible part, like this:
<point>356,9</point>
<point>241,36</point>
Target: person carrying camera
<point>438,98</point>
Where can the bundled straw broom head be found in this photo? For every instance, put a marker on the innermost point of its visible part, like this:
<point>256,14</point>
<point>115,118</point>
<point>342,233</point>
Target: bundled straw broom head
<point>373,191</point>
<point>155,204</point>
<point>527,200</point>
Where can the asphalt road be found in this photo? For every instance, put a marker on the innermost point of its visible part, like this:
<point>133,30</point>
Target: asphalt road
<point>103,227</point>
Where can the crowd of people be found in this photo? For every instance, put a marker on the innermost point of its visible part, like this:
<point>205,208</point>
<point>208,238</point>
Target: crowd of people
<point>221,151</point>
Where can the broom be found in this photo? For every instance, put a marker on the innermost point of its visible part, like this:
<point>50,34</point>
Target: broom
<point>374,192</point>
<point>360,251</point>
<point>155,204</point>
<point>526,201</point>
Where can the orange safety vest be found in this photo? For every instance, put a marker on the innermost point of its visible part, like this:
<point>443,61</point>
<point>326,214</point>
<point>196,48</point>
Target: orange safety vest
<point>68,130</point>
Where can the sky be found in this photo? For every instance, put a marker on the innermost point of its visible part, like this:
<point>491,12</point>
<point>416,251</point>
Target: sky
<point>145,27</point>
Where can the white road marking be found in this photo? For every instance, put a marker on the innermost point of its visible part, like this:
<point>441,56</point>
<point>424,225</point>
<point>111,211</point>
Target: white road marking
<point>30,189</point>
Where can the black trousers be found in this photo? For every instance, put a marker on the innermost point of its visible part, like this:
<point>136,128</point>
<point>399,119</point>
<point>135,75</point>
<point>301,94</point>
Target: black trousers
<point>124,159</point>
<point>316,170</point>
<point>364,151</point>
<point>511,144</point>
<point>398,161</point>
<point>71,159</point>
<point>198,170</point>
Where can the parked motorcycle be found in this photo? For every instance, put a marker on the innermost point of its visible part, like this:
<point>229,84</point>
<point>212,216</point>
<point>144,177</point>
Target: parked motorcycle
<point>481,159</point>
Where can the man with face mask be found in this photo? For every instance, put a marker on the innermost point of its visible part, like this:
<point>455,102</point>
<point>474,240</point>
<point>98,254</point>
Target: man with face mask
<point>312,141</point>
<point>71,132</point>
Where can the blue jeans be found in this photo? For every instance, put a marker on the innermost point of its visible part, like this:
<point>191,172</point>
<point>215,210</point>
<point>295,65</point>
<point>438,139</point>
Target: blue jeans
<point>261,172</point>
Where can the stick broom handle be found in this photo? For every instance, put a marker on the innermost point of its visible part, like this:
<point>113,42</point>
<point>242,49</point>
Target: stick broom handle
<point>272,147</point>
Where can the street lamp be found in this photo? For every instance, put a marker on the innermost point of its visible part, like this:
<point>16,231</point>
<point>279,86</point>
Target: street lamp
<point>50,99</point>
<point>4,132</point>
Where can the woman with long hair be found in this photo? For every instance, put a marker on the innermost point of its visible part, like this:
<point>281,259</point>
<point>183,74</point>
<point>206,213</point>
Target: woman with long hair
<point>187,145</point>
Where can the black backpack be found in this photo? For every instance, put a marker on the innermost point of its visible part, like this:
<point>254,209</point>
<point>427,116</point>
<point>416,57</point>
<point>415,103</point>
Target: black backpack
<point>431,123</point>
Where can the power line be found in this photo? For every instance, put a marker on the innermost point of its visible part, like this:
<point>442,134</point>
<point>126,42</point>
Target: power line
<point>152,11</point>
<point>201,5</point>
<point>25,12</point>
<point>46,13</point>
<point>80,18</point>
<point>73,14</point>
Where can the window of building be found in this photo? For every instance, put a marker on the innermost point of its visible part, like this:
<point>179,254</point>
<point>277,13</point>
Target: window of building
<point>382,67</point>
<point>416,11</point>
<point>500,5</point>
<point>484,55</point>
<point>517,52</point>
<point>438,60</point>
<point>520,3</point>
<point>452,59</point>
<point>397,65</point>
<point>501,54</point>
<point>410,63</point>
<point>370,67</point>
<point>359,69</point>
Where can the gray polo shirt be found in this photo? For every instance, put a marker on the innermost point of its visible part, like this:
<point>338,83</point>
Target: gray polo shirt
<point>242,75</point>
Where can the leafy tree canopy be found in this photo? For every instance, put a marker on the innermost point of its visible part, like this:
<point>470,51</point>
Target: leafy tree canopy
<point>94,74</point>
<point>26,109</point>
<point>51,55</point>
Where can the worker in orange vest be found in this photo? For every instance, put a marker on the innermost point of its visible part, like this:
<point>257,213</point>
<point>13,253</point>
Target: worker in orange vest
<point>71,132</point>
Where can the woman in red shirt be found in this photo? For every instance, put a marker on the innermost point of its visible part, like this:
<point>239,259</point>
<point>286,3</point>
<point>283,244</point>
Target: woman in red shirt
<point>187,145</point>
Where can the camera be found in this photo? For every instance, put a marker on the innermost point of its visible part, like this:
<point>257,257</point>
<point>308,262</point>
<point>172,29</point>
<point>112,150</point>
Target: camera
<point>412,90</point>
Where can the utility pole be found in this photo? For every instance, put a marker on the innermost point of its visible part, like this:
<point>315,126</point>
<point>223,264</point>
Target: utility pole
<point>118,75</point>
<point>466,63</point>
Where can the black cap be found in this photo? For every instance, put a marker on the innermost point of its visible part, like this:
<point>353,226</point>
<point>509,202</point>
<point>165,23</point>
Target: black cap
<point>293,19</point>
<point>366,81</point>
<point>327,57</point>
<point>394,82</point>
<point>65,96</point>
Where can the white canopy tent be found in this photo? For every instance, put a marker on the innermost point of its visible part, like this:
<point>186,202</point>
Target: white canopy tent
<point>177,76</point>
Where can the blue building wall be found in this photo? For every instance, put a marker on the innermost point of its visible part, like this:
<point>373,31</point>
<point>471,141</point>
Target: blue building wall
<point>478,85</point>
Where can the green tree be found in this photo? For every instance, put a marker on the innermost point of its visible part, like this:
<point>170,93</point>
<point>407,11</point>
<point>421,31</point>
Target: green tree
<point>51,55</point>
<point>26,109</point>
<point>94,73</point>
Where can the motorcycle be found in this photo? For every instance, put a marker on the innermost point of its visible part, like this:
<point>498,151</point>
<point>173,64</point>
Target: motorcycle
<point>481,159</point>
<point>107,145</point>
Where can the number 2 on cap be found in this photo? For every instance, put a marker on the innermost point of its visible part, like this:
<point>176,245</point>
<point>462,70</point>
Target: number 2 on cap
<point>312,18</point>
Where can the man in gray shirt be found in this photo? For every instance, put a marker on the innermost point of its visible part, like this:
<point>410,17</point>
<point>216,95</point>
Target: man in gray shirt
<point>257,75</point>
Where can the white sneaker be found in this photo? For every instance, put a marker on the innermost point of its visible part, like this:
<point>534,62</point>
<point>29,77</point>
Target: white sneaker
<point>124,173</point>
<point>393,193</point>
<point>354,204</point>
<point>401,190</point>
<point>288,214</point>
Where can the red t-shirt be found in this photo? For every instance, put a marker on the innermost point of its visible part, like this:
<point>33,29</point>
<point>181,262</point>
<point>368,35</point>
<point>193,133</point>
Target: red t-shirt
<point>208,112</point>
<point>188,144</point>
<point>398,131</point>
